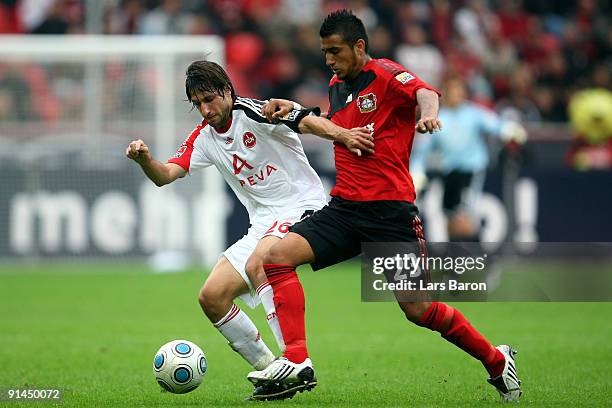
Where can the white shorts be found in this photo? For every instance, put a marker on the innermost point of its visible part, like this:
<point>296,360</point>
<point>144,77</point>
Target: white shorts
<point>240,251</point>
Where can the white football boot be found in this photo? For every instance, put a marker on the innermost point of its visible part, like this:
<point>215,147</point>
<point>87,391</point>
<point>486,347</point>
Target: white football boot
<point>507,384</point>
<point>282,379</point>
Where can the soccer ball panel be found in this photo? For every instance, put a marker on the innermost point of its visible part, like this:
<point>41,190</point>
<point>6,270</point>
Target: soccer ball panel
<point>179,366</point>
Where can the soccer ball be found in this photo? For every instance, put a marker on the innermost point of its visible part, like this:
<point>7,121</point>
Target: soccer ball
<point>179,366</point>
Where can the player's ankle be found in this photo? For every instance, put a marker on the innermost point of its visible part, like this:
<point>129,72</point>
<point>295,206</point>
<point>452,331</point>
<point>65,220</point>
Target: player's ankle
<point>296,356</point>
<point>495,368</point>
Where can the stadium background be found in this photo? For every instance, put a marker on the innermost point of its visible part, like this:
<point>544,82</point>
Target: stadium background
<point>66,186</point>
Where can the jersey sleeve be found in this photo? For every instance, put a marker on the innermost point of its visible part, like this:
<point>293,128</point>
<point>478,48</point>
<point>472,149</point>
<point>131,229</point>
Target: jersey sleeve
<point>404,84</point>
<point>489,121</point>
<point>187,156</point>
<point>293,118</point>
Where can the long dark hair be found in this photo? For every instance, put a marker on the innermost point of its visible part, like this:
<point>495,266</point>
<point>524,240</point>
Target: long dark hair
<point>207,76</point>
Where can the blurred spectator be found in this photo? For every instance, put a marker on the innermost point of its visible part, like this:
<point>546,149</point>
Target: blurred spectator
<point>200,24</point>
<point>10,22</point>
<point>33,12</point>
<point>298,12</point>
<point>243,52</point>
<point>62,17</point>
<point>380,43</point>
<point>418,56</point>
<point>550,104</point>
<point>124,18</point>
<point>441,23</point>
<point>526,58</point>
<point>15,95</point>
<point>473,22</point>
<point>362,10</point>
<point>500,61</point>
<point>168,18</point>
<point>518,105</point>
<point>513,20</point>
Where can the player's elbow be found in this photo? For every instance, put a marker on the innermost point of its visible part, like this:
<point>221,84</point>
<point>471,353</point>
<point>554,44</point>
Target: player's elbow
<point>162,181</point>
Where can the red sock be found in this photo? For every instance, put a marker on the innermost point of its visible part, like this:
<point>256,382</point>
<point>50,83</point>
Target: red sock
<point>290,309</point>
<point>455,328</point>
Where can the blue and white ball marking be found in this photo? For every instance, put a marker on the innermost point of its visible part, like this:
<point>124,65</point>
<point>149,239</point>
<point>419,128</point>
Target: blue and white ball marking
<point>179,366</point>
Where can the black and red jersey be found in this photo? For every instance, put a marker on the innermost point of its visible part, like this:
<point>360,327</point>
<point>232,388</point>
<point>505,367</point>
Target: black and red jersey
<point>383,98</point>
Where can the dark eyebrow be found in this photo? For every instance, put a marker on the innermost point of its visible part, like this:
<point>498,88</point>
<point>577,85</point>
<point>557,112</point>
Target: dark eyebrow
<point>334,48</point>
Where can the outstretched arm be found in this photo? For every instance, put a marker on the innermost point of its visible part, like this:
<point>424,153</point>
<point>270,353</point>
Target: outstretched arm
<point>158,172</point>
<point>357,140</point>
<point>429,103</point>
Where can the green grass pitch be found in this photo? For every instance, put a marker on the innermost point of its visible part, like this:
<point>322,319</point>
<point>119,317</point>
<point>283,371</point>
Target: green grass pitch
<point>92,330</point>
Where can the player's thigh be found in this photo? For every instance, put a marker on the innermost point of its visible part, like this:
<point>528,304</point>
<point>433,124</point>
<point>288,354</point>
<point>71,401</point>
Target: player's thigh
<point>263,246</point>
<point>391,228</point>
<point>223,283</point>
<point>325,238</point>
<point>390,221</point>
<point>278,231</point>
<point>292,250</point>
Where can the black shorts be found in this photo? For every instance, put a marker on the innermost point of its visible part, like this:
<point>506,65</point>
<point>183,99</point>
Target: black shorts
<point>456,184</point>
<point>336,231</point>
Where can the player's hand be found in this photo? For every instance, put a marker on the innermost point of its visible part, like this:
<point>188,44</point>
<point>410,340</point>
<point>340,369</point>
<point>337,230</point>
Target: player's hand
<point>275,109</point>
<point>138,151</point>
<point>428,124</point>
<point>513,132</point>
<point>358,140</point>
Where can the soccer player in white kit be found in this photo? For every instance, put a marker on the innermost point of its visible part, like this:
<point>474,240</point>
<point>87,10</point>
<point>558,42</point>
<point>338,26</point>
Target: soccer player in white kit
<point>265,165</point>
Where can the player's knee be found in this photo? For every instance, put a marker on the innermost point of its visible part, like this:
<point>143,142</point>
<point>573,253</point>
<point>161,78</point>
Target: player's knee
<point>212,299</point>
<point>253,267</point>
<point>275,256</point>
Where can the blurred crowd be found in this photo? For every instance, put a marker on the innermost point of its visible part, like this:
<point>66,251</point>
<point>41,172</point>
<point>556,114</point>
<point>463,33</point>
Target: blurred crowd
<point>524,59</point>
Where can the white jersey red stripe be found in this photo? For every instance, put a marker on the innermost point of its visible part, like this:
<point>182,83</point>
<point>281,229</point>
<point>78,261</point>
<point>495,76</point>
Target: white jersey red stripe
<point>264,163</point>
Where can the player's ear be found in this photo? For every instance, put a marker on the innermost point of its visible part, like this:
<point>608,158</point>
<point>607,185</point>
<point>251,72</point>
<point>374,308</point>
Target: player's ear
<point>359,47</point>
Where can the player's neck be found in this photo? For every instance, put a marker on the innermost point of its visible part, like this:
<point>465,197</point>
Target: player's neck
<point>224,128</point>
<point>359,67</point>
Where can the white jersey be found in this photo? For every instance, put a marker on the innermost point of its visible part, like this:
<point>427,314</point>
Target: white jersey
<point>264,163</point>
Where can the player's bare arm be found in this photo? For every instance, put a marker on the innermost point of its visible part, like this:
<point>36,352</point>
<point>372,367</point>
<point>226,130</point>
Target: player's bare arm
<point>356,139</point>
<point>429,104</point>
<point>158,172</point>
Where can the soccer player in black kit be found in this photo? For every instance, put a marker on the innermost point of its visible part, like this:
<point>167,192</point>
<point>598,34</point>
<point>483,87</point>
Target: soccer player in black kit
<point>372,201</point>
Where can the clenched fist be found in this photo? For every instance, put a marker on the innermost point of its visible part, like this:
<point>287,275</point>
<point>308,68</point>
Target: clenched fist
<point>138,151</point>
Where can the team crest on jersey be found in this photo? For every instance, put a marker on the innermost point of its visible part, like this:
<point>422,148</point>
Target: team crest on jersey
<point>229,140</point>
<point>181,150</point>
<point>366,103</point>
<point>404,77</point>
<point>249,140</point>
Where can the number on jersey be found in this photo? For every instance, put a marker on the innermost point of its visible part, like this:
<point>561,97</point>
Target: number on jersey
<point>239,164</point>
<point>283,228</point>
